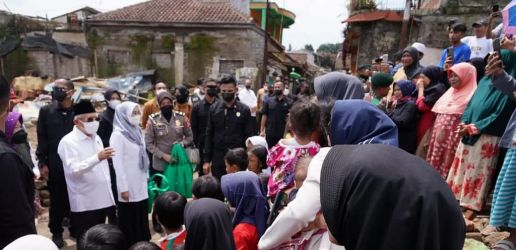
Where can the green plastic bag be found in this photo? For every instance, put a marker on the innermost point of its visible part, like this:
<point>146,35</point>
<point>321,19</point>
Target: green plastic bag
<point>179,173</point>
<point>154,190</point>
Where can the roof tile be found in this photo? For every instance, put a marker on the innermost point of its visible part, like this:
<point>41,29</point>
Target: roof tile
<point>176,11</point>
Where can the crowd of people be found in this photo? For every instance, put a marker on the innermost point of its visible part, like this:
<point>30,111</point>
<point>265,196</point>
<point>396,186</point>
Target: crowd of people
<point>406,155</point>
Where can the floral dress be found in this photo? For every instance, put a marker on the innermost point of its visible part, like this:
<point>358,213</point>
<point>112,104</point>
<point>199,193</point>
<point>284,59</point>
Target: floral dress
<point>443,143</point>
<point>282,159</point>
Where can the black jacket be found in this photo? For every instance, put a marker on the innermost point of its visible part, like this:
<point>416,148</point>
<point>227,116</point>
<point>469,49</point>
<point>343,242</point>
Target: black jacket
<point>406,117</point>
<point>16,195</point>
<point>227,128</point>
<point>199,121</point>
<point>54,123</point>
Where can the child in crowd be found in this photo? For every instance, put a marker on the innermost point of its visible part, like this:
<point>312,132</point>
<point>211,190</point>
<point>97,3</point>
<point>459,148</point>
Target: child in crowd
<point>244,194</point>
<point>236,160</point>
<point>304,121</point>
<point>257,157</point>
<point>103,236</point>
<point>144,245</point>
<point>169,208</point>
<point>207,186</point>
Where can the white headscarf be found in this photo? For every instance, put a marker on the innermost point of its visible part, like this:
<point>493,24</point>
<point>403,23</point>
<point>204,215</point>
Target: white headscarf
<point>130,131</point>
<point>32,242</point>
<point>257,140</point>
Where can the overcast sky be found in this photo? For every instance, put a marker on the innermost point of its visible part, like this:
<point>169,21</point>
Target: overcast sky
<point>317,21</point>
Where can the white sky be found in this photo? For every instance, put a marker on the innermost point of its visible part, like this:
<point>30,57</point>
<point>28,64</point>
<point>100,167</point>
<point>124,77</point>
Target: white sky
<point>317,21</point>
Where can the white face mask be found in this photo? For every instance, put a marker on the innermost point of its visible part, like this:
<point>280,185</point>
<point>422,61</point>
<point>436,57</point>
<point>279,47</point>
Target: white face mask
<point>114,103</point>
<point>135,120</point>
<point>91,127</point>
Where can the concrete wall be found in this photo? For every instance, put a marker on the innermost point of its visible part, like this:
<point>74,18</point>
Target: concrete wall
<point>373,45</point>
<point>181,55</point>
<point>76,38</point>
<point>59,66</point>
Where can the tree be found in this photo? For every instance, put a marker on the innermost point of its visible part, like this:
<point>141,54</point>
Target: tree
<point>309,47</point>
<point>329,48</point>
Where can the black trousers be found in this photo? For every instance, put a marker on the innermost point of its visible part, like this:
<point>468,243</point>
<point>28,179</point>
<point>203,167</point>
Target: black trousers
<point>272,140</point>
<point>82,221</point>
<point>59,203</point>
<point>112,216</point>
<point>133,221</point>
<point>218,167</point>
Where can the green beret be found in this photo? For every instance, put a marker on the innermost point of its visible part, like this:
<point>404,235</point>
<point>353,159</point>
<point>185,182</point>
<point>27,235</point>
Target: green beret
<point>381,80</point>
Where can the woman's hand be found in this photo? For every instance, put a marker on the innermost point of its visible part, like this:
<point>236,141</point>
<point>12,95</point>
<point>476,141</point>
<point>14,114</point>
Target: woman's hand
<point>494,66</point>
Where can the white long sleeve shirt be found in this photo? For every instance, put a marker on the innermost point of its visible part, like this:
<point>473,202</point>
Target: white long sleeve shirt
<point>87,178</point>
<point>299,212</point>
<point>129,176</point>
<point>248,98</point>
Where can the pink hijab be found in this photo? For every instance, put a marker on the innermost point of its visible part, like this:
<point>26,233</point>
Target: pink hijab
<point>455,100</point>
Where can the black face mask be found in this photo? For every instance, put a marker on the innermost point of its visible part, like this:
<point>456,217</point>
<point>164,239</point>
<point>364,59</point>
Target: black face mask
<point>166,111</point>
<point>247,86</point>
<point>278,92</point>
<point>19,137</point>
<point>59,95</point>
<point>181,99</point>
<point>211,92</point>
<point>228,97</point>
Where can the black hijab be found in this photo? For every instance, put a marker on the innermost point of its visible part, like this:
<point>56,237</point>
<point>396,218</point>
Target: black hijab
<point>414,69</point>
<point>208,225</point>
<point>436,89</point>
<point>480,65</point>
<point>109,114</point>
<point>380,197</point>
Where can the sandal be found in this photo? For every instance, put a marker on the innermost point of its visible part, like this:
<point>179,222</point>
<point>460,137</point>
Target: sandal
<point>504,245</point>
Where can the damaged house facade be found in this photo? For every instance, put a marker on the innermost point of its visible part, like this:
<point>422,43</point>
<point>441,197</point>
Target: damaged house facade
<point>427,24</point>
<point>184,40</point>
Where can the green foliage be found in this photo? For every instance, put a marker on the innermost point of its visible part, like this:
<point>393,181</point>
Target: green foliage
<point>94,40</point>
<point>363,5</point>
<point>200,51</point>
<point>106,69</point>
<point>167,42</point>
<point>309,47</point>
<point>329,47</point>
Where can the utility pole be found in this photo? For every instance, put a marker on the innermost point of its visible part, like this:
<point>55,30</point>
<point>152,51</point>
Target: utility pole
<point>266,41</point>
<point>405,25</point>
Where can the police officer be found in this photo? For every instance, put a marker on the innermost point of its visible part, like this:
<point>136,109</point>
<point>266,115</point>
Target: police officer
<point>229,125</point>
<point>163,130</point>
<point>199,117</point>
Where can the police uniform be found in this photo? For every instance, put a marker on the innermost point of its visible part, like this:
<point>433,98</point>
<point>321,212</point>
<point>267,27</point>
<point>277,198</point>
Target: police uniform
<point>227,128</point>
<point>161,135</point>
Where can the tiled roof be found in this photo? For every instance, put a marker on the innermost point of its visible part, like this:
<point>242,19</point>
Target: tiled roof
<point>389,16</point>
<point>298,57</point>
<point>176,11</point>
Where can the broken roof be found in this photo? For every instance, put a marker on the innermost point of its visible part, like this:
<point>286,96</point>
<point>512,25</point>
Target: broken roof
<point>370,16</point>
<point>176,11</point>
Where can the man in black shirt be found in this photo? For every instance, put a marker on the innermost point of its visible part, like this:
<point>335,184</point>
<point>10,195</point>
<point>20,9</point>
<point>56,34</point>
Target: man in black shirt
<point>54,122</point>
<point>274,115</point>
<point>199,118</point>
<point>229,125</point>
<point>16,184</point>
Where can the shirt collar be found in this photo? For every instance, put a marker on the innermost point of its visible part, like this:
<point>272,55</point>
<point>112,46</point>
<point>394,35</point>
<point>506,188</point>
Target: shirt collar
<point>80,135</point>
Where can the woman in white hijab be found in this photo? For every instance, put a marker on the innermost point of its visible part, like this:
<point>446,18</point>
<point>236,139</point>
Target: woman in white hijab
<point>130,163</point>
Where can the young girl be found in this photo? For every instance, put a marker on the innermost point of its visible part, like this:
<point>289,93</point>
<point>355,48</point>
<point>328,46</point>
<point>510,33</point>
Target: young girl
<point>404,114</point>
<point>257,158</point>
<point>304,120</point>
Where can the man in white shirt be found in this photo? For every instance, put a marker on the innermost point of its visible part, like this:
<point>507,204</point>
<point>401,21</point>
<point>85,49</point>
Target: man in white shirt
<point>86,170</point>
<point>480,46</point>
<point>247,96</point>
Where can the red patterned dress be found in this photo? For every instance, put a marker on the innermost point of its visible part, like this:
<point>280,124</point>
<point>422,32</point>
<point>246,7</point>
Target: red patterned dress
<point>443,143</point>
<point>472,171</point>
